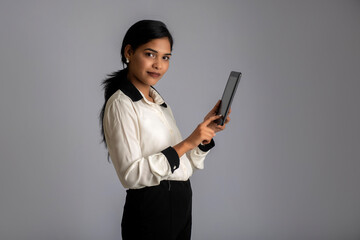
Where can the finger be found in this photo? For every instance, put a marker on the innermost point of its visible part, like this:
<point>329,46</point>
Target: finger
<point>211,119</point>
<point>218,130</point>
<point>216,107</point>
<point>207,133</point>
<point>220,127</point>
<point>209,137</point>
<point>227,120</point>
<point>229,111</point>
<point>217,104</point>
<point>206,142</point>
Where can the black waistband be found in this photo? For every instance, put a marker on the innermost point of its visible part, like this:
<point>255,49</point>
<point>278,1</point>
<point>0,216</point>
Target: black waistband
<point>165,184</point>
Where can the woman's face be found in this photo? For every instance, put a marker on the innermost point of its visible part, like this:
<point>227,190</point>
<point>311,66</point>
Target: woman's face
<point>149,62</point>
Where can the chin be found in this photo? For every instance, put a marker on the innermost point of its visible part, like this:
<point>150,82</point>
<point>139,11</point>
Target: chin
<point>151,81</point>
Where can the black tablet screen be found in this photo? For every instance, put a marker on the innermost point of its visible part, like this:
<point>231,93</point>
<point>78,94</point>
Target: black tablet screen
<point>228,94</point>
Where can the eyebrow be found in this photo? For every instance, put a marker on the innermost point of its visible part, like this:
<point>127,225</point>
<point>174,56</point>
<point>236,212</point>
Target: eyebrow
<point>152,50</point>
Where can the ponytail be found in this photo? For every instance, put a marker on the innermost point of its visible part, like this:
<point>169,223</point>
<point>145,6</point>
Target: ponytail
<point>110,86</point>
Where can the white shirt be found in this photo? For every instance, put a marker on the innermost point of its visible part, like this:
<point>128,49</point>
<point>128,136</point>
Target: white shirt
<point>139,135</point>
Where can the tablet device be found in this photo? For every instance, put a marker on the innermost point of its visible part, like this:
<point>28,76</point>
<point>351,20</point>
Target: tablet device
<point>228,96</point>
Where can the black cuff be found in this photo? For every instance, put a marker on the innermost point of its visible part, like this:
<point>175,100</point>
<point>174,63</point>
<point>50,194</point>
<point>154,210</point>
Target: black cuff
<point>208,146</point>
<point>172,157</point>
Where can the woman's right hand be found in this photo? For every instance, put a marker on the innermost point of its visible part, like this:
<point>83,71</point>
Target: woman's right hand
<point>203,133</point>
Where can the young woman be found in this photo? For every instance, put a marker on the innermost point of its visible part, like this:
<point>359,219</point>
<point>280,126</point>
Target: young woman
<point>151,159</point>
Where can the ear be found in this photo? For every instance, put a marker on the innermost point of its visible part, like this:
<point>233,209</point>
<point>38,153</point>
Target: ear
<point>128,51</point>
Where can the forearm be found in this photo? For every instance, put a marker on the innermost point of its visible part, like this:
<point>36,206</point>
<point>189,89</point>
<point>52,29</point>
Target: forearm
<point>183,147</point>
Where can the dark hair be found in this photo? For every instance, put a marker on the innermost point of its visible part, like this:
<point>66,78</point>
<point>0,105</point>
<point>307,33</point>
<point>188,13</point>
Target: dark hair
<point>138,34</point>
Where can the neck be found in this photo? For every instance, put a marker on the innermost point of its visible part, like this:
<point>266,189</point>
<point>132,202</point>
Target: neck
<point>143,88</point>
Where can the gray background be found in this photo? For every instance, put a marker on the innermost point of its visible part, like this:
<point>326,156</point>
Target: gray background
<point>287,166</point>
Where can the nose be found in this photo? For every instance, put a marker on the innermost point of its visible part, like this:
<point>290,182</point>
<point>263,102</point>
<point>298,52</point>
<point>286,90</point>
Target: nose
<point>157,64</point>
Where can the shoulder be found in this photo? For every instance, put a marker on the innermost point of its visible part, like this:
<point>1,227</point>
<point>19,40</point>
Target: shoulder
<point>119,98</point>
<point>119,104</point>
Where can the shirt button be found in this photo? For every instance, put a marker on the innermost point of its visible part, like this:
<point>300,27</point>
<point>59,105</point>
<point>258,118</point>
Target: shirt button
<point>174,167</point>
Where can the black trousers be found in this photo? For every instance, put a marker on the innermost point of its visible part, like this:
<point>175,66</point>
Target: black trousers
<point>158,212</point>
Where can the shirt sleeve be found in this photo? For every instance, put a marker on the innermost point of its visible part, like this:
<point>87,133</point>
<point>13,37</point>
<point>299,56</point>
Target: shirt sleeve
<point>198,154</point>
<point>123,141</point>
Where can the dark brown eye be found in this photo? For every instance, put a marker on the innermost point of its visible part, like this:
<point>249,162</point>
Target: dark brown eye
<point>149,54</point>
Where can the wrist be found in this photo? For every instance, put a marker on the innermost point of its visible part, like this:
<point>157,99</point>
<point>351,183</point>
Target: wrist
<point>183,147</point>
<point>189,144</point>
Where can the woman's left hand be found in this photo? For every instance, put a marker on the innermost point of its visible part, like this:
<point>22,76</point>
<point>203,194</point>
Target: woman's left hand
<point>213,125</point>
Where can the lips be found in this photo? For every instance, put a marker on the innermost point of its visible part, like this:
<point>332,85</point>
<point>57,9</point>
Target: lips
<point>154,74</point>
